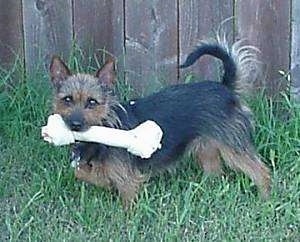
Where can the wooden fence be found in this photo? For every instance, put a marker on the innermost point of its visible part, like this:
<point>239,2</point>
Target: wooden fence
<point>150,38</point>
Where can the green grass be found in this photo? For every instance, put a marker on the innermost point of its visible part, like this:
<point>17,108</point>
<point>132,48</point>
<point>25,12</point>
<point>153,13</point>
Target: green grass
<point>41,201</point>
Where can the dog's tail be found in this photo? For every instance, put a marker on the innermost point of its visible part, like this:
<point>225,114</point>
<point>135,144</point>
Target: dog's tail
<point>240,63</point>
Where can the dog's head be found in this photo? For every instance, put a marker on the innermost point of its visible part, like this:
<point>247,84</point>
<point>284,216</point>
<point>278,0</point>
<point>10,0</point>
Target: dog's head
<point>83,100</point>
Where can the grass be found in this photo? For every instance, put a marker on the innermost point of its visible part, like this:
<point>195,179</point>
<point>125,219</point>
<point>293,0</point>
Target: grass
<point>41,201</point>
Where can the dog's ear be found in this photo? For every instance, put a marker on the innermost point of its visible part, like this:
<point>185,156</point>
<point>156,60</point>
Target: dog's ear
<point>106,75</point>
<point>58,70</point>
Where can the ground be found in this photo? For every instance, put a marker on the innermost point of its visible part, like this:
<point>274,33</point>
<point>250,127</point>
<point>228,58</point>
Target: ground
<point>41,200</point>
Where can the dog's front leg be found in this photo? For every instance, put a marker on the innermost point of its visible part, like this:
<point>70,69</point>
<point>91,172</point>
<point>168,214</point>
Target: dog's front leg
<point>113,172</point>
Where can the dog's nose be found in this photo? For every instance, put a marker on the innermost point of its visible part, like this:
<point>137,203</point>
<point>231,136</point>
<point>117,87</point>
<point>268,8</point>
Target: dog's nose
<point>76,121</point>
<point>76,125</point>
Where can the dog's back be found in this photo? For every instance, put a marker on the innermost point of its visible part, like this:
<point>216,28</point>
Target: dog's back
<point>186,112</point>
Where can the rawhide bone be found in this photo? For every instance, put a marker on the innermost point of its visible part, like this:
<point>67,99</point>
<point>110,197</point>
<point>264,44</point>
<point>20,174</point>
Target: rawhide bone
<point>141,141</point>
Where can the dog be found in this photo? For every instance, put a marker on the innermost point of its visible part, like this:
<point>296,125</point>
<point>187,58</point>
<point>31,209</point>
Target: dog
<point>205,118</point>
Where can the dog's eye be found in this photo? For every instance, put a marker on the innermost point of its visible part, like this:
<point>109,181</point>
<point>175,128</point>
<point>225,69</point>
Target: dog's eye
<point>68,99</point>
<point>91,103</point>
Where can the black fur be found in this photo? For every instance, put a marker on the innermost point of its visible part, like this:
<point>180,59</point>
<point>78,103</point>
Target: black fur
<point>230,69</point>
<point>187,111</point>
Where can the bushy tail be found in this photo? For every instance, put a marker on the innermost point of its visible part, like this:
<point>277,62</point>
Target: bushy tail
<point>240,63</point>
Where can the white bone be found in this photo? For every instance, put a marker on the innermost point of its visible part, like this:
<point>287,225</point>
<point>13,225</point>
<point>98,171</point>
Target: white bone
<point>141,141</point>
<point>56,132</point>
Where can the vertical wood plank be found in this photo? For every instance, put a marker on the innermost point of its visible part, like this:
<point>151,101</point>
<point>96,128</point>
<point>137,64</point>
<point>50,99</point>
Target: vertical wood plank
<point>118,39</point>
<point>198,20</point>
<point>266,25</point>
<point>295,50</point>
<point>99,27</point>
<point>47,30</point>
<point>11,37</point>
<point>151,44</point>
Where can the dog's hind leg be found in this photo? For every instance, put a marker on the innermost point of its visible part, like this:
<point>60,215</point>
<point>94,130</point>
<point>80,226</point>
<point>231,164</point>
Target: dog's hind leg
<point>208,156</point>
<point>251,165</point>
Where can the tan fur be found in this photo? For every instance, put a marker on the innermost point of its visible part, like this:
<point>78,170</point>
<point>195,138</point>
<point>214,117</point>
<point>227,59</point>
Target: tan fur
<point>208,153</point>
<point>81,87</point>
<point>208,157</point>
<point>251,165</point>
<point>113,172</point>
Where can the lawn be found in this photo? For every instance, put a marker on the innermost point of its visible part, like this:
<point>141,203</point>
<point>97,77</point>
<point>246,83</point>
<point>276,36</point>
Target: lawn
<point>40,200</point>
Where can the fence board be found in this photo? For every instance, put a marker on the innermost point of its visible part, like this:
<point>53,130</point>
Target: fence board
<point>295,50</point>
<point>47,30</point>
<point>11,37</point>
<point>198,20</point>
<point>266,25</point>
<point>151,44</point>
<point>99,27</point>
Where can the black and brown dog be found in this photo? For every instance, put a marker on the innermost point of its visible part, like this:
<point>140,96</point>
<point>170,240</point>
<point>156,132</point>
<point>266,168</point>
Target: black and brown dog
<point>205,118</point>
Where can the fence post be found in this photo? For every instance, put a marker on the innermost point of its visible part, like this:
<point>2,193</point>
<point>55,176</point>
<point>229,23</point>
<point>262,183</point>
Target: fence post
<point>151,44</point>
<point>11,35</point>
<point>99,29</point>
<point>295,50</point>
<point>47,31</point>
<point>198,20</point>
<point>266,25</point>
